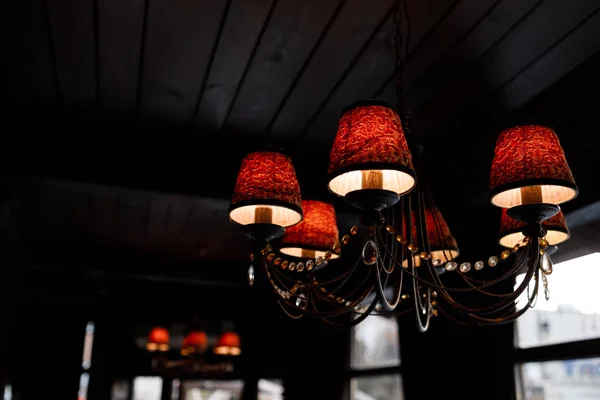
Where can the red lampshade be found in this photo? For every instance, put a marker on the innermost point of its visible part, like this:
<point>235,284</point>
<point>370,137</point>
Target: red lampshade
<point>442,244</point>
<point>316,234</point>
<point>529,167</point>
<point>195,341</point>
<point>370,152</point>
<point>228,344</point>
<point>158,339</point>
<point>510,230</point>
<point>266,191</point>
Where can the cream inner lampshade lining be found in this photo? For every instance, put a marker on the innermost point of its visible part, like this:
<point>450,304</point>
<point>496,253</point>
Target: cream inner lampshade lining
<point>278,215</point>
<point>304,253</point>
<point>389,179</point>
<point>439,254</point>
<point>553,237</point>
<point>551,194</point>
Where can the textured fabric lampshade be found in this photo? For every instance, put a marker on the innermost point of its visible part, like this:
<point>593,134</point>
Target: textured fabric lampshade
<point>158,339</point>
<point>316,234</point>
<point>370,152</point>
<point>510,230</point>
<point>228,344</point>
<point>195,341</point>
<point>442,244</point>
<point>266,191</point>
<point>530,167</point>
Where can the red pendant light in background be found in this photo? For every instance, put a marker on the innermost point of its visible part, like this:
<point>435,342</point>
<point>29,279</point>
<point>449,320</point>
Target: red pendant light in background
<point>194,343</point>
<point>158,339</point>
<point>266,191</point>
<point>370,152</point>
<point>511,230</point>
<point>315,235</point>
<point>442,244</point>
<point>228,345</point>
<point>530,167</point>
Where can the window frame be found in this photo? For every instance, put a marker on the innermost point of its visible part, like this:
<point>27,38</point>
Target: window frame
<point>352,373</point>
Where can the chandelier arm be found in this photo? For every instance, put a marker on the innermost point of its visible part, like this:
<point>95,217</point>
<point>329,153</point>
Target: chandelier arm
<point>507,318</point>
<point>533,252</point>
<point>533,267</point>
<point>476,322</point>
<point>311,299</point>
<point>423,327</point>
<point>353,321</point>
<point>500,305</point>
<point>387,305</point>
<point>288,313</point>
<point>326,314</point>
<point>487,284</point>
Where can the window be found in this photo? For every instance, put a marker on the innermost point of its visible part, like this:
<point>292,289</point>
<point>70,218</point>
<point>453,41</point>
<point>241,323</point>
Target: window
<point>120,390</point>
<point>8,392</point>
<point>558,341</point>
<point>86,362</point>
<point>270,390</point>
<point>147,388</point>
<point>375,360</point>
<point>561,380</point>
<point>223,390</point>
<point>573,311</point>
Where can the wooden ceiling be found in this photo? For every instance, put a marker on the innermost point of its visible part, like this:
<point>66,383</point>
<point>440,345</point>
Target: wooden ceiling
<point>135,114</point>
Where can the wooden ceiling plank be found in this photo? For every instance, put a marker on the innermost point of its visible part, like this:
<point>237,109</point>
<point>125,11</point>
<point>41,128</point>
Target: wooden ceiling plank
<point>244,22</point>
<point>72,28</point>
<point>543,28</point>
<point>577,46</point>
<point>352,29</point>
<point>180,35</point>
<point>432,32</point>
<point>466,52</point>
<point>462,19</point>
<point>35,78</point>
<point>295,27</point>
<point>119,37</point>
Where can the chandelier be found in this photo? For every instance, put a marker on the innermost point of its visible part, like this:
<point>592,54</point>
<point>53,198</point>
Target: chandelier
<point>401,255</point>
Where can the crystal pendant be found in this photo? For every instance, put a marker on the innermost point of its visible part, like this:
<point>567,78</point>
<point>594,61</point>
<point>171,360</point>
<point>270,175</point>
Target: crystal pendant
<point>301,301</point>
<point>251,274</point>
<point>369,253</point>
<point>546,264</point>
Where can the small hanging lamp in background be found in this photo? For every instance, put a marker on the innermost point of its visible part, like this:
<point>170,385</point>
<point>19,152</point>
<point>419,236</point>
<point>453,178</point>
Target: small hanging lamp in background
<point>158,339</point>
<point>194,343</point>
<point>315,235</point>
<point>511,230</point>
<point>228,345</point>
